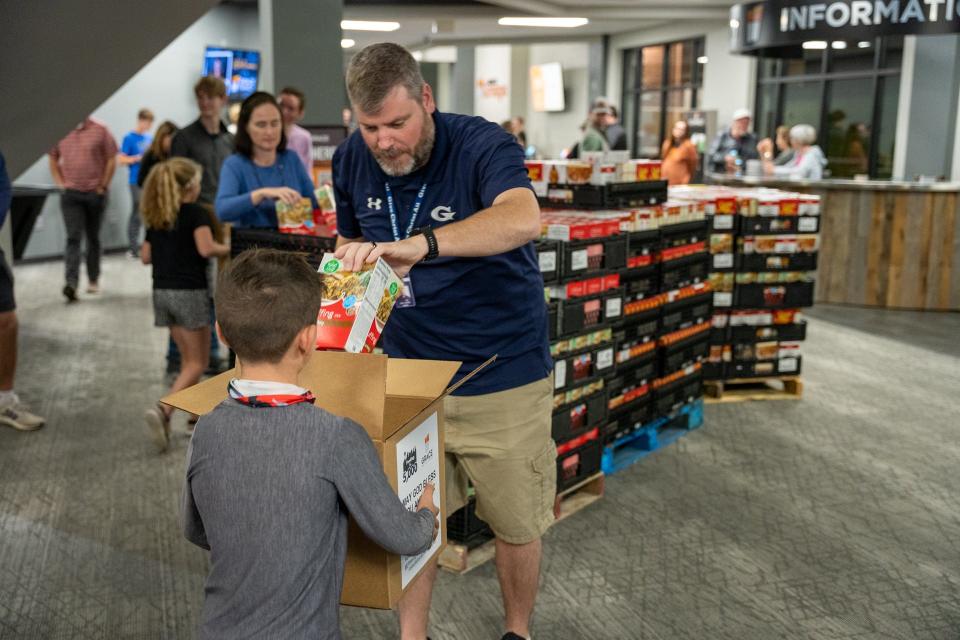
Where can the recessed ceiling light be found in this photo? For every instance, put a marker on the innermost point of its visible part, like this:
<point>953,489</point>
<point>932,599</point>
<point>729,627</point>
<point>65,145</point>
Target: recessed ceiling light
<point>368,25</point>
<point>542,22</point>
<point>814,44</point>
<point>734,24</point>
<point>863,44</point>
<point>347,43</point>
<point>838,44</point>
<point>703,59</point>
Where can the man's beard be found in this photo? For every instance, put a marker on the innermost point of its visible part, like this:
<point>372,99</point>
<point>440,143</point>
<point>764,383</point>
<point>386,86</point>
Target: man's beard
<point>396,163</point>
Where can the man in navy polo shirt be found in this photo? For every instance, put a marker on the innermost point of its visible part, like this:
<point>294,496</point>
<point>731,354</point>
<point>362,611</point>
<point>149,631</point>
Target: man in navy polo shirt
<point>445,199</point>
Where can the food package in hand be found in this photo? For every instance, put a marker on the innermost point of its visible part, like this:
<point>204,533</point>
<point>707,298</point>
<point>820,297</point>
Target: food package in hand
<point>295,218</point>
<point>355,305</point>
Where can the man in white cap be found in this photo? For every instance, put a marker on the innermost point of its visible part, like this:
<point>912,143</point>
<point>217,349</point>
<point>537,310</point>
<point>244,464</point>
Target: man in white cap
<point>734,146</point>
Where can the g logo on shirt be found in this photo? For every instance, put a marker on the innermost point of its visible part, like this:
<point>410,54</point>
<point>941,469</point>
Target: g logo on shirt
<point>443,214</point>
<point>374,203</point>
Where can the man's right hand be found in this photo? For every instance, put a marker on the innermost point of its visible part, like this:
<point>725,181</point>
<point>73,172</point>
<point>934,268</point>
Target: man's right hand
<point>426,502</point>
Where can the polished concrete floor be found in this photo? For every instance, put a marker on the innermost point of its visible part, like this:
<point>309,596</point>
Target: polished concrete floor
<point>836,517</point>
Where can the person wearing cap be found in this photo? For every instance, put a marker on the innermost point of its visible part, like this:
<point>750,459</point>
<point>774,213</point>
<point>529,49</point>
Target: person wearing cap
<point>734,146</point>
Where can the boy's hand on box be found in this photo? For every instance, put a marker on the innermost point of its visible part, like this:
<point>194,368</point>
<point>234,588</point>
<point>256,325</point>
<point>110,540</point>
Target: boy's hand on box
<point>426,502</point>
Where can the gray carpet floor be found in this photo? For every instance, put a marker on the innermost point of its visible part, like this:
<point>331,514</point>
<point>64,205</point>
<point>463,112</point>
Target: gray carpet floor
<point>836,517</point>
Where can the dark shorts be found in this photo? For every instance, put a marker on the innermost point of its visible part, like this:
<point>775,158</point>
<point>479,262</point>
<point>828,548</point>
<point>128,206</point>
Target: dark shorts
<point>7,302</point>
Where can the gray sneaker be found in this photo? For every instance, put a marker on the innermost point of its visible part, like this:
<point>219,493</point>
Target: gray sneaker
<point>16,415</point>
<point>158,428</point>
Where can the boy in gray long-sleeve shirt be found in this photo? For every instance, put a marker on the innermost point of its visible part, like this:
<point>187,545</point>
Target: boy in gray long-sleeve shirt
<point>271,478</point>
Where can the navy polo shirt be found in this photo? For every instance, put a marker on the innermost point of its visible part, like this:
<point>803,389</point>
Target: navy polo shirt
<point>466,309</point>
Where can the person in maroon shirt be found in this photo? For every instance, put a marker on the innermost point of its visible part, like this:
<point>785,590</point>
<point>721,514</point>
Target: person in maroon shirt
<point>82,164</point>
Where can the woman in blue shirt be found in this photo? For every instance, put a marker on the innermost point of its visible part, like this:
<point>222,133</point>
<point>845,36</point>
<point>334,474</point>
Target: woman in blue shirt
<point>263,170</point>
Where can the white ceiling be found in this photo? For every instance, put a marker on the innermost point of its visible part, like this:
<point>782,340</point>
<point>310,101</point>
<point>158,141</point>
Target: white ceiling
<point>476,23</point>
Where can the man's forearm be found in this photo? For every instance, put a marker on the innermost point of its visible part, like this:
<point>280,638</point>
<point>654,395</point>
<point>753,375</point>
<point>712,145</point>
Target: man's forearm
<point>108,173</point>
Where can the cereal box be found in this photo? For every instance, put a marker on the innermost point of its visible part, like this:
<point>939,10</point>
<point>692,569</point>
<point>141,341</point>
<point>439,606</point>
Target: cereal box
<point>355,305</point>
<point>295,218</point>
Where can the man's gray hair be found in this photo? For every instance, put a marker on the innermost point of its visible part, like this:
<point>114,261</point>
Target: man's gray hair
<point>803,133</point>
<point>376,70</point>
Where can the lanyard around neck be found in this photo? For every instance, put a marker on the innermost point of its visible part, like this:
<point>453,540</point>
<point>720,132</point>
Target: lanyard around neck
<point>414,212</point>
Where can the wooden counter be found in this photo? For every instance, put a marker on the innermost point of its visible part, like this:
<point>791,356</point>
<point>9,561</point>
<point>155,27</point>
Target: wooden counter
<point>883,244</point>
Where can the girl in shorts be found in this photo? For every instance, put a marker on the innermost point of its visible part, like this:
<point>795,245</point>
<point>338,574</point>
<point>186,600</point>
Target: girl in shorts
<point>179,241</point>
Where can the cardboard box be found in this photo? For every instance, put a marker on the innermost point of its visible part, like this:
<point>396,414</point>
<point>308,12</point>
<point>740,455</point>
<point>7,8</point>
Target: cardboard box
<point>356,304</point>
<point>400,405</point>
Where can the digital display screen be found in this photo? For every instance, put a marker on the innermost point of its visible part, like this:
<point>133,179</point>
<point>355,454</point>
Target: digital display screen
<point>238,68</point>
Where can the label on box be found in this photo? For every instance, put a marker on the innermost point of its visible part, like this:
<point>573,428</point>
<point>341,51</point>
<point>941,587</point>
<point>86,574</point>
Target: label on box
<point>418,463</point>
<point>548,261</point>
<point>559,374</point>
<point>605,358</point>
<point>723,261</point>
<point>806,225</point>
<point>614,307</point>
<point>788,365</point>
<point>578,260</point>
<point>722,299</point>
<point>723,222</point>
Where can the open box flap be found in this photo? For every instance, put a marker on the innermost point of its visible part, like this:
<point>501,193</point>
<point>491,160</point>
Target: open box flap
<point>420,378</point>
<point>470,375</point>
<point>345,384</point>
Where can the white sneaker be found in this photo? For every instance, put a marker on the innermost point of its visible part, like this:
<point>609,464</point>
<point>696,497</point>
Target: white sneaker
<point>158,428</point>
<point>15,415</point>
<point>93,287</point>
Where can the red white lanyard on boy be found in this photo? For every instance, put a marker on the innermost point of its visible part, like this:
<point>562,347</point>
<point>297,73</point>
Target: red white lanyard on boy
<point>268,400</point>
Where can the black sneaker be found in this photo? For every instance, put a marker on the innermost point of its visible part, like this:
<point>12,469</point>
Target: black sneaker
<point>70,292</point>
<point>510,635</point>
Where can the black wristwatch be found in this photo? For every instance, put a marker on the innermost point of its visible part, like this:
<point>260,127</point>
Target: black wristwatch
<point>433,249</point>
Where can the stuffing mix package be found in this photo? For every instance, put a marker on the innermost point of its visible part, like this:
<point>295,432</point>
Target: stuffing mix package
<point>295,218</point>
<point>355,305</point>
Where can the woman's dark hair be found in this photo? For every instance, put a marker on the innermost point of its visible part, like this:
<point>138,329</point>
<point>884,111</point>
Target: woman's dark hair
<point>242,141</point>
<point>165,129</point>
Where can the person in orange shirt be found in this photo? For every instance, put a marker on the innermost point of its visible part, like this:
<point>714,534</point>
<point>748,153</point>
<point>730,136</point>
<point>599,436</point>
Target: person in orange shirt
<point>680,159</point>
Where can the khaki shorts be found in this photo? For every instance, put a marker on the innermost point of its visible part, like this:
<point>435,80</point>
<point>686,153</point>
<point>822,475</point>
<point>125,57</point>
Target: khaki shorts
<point>501,443</point>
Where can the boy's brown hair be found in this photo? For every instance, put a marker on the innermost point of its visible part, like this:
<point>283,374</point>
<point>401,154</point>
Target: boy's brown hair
<point>211,86</point>
<point>264,299</point>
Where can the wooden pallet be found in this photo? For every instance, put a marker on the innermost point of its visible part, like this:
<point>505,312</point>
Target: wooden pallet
<point>744,389</point>
<point>457,558</point>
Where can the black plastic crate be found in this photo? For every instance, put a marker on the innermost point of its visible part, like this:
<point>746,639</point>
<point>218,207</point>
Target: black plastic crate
<point>642,248</point>
<point>683,272</point>
<point>553,320</point>
<point>684,353</point>
<point>313,247</point>
<point>548,257</point>
<point>617,195</point>
<point>686,312</point>
<point>631,384</point>
<point>579,463</point>
<point>581,415</point>
<point>714,370</point>
<point>684,233</point>
<point>788,366</point>
<point>583,258</point>
<point>724,223</point>
<point>583,314</point>
<point>678,393</point>
<point>627,419</point>
<point>786,295</point>
<point>465,527</point>
<point>580,367</point>
<point>776,262</point>
<point>778,332</point>
<point>641,325</point>
<point>778,225</point>
<point>719,335</point>
<point>640,283</point>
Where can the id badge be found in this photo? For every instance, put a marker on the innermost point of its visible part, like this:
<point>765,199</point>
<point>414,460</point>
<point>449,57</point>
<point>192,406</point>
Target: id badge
<point>407,299</point>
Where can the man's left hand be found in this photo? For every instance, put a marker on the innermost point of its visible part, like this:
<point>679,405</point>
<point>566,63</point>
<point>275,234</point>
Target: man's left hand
<point>401,256</point>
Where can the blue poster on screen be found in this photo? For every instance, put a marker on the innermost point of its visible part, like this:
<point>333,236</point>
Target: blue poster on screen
<point>238,68</point>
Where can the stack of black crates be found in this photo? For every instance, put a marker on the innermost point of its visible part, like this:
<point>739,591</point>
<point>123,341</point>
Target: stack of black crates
<point>763,246</point>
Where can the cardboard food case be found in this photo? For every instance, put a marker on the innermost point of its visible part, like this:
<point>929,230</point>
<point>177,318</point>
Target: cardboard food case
<point>400,405</point>
<point>355,304</point>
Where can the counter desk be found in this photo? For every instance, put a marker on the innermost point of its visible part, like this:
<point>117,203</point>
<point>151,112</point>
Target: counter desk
<point>882,243</point>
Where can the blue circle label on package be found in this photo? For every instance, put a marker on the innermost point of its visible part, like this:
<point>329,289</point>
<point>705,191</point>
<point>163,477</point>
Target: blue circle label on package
<point>349,301</point>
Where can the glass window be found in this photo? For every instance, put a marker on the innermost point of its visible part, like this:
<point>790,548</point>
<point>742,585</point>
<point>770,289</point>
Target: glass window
<point>627,118</point>
<point>681,63</point>
<point>652,67</point>
<point>648,145</point>
<point>802,102</point>
<point>811,62</point>
<point>630,69</point>
<point>892,52</point>
<point>765,123</point>
<point>888,95</point>
<point>678,101</point>
<point>855,56</point>
<point>767,67</point>
<point>849,118</point>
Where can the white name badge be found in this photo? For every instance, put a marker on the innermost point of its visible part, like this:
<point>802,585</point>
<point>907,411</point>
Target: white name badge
<point>407,299</point>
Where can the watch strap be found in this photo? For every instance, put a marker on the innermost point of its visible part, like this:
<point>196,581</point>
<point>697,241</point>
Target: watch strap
<point>433,249</point>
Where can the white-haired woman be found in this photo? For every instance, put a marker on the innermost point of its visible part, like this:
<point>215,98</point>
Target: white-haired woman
<point>808,161</point>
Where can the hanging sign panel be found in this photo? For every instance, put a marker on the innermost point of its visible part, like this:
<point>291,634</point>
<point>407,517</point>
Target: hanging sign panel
<point>780,27</point>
